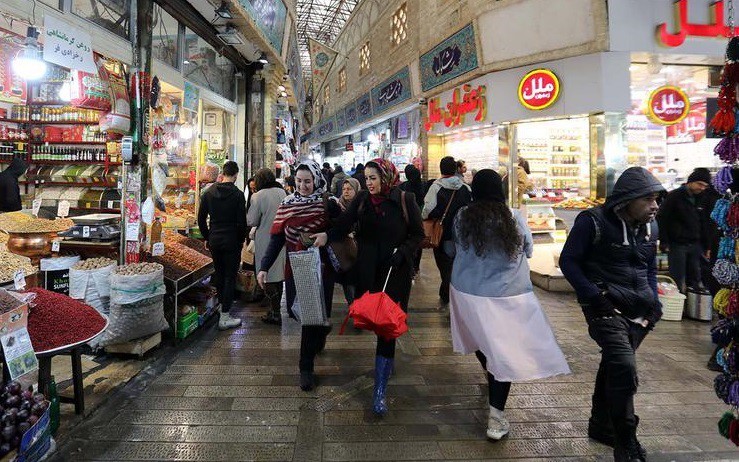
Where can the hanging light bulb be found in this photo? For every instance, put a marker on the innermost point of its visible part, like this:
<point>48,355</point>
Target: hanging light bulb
<point>65,92</point>
<point>28,64</point>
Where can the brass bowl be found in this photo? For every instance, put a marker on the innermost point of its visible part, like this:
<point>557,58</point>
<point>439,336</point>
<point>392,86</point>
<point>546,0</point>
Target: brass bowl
<point>31,245</point>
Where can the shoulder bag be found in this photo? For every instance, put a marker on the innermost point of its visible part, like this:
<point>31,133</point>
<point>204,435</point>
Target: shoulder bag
<point>434,228</point>
<point>343,253</point>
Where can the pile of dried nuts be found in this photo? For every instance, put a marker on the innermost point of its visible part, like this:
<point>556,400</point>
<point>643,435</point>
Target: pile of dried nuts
<point>94,263</point>
<point>10,263</point>
<point>177,238</point>
<point>13,219</point>
<point>135,269</point>
<point>179,260</point>
<point>36,225</point>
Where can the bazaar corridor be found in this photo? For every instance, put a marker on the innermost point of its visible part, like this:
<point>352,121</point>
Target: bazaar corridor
<point>229,396</point>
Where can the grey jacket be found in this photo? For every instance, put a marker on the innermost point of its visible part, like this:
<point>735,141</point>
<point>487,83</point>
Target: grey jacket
<point>261,214</point>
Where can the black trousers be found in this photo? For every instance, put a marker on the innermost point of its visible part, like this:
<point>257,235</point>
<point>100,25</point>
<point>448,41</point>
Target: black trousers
<point>312,338</point>
<point>226,264</point>
<point>497,391</point>
<point>685,265</point>
<point>444,263</point>
<point>617,381</point>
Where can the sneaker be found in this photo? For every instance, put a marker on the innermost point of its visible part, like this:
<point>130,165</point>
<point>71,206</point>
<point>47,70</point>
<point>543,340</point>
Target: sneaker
<point>629,453</point>
<point>226,321</point>
<point>498,425</point>
<point>307,381</point>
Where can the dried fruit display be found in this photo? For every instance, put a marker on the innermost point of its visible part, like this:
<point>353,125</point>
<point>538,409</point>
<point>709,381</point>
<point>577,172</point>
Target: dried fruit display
<point>56,320</point>
<point>20,409</point>
<point>10,263</point>
<point>177,238</point>
<point>15,224</point>
<point>179,260</point>
<point>94,263</point>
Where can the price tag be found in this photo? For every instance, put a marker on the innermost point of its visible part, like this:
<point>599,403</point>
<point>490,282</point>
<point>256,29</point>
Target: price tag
<point>157,249</point>
<point>85,231</point>
<point>36,207</point>
<point>62,209</point>
<point>55,246</point>
<point>178,201</point>
<point>19,279</point>
<point>110,204</point>
<point>132,231</point>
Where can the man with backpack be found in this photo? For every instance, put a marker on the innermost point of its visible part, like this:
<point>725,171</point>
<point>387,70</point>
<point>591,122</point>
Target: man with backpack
<point>610,260</point>
<point>444,198</point>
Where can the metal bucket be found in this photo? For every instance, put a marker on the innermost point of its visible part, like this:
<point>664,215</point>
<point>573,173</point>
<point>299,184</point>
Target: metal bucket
<point>699,305</point>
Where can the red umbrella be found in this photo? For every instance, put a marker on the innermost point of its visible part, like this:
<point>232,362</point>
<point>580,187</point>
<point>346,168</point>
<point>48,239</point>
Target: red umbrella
<point>377,312</point>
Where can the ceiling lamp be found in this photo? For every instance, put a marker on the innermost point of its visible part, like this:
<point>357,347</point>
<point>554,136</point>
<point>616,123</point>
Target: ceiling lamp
<point>28,64</point>
<point>281,88</point>
<point>263,58</point>
<point>224,11</point>
<point>231,36</point>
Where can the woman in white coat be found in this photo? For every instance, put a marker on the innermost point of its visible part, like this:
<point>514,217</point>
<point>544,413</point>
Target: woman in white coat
<point>494,312</point>
<point>261,214</point>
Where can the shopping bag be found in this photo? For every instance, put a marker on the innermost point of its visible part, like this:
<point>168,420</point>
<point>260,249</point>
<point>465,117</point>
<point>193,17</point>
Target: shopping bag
<point>309,307</point>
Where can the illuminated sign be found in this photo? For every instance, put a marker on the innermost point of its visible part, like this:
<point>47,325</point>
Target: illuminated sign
<point>667,105</point>
<point>538,89</point>
<point>465,100</point>
<point>686,29</point>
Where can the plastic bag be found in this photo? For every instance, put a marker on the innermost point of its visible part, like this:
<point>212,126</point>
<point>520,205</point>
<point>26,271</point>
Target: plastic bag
<point>92,286</point>
<point>125,290</point>
<point>131,321</point>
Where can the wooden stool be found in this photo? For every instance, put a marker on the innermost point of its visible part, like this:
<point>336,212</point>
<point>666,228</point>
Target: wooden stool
<point>44,377</point>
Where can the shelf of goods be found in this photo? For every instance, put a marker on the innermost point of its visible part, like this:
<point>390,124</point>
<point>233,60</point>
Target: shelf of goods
<point>557,161</point>
<point>187,263</point>
<point>540,217</point>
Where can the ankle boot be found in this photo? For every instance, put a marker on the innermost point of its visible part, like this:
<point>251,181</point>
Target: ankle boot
<point>383,366</point>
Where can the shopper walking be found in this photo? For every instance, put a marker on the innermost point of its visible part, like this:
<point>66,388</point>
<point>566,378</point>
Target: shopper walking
<point>389,230</point>
<point>303,213</point>
<point>10,192</point>
<point>338,181</point>
<point>414,184</point>
<point>610,259</point>
<point>443,200</point>
<point>328,175</point>
<point>494,312</point>
<point>348,192</point>
<point>680,230</point>
<point>222,222</point>
<point>261,215</point>
<point>359,176</point>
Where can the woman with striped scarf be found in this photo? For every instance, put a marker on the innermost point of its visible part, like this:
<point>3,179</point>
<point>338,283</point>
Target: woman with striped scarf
<point>305,212</point>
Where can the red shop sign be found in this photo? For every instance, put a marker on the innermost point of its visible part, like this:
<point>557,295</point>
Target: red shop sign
<point>692,129</point>
<point>538,89</point>
<point>685,29</point>
<point>668,105</point>
<point>472,101</point>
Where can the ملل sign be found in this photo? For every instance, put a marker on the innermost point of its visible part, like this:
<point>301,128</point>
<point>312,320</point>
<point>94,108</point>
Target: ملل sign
<point>685,28</point>
<point>465,100</point>
<point>538,89</point>
<point>668,105</point>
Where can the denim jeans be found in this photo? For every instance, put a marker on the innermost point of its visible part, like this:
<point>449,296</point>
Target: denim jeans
<point>617,381</point>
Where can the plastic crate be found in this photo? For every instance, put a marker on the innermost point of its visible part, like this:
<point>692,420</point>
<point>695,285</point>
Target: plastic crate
<point>187,324</point>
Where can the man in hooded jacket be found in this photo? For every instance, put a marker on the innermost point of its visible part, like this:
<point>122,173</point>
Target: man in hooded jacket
<point>225,234</point>
<point>10,192</point>
<point>449,190</point>
<point>610,260</point>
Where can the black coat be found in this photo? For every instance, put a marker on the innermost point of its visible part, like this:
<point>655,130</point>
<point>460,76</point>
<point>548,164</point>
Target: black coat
<point>679,219</point>
<point>377,237</point>
<point>226,206</point>
<point>10,193</point>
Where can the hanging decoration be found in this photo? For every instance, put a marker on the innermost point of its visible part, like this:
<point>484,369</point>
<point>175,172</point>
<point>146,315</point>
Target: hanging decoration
<point>726,215</point>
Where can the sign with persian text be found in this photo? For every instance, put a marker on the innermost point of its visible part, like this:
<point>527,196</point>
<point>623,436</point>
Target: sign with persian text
<point>468,103</point>
<point>668,105</point>
<point>392,91</point>
<point>67,46</point>
<point>364,107</point>
<point>451,58</point>
<point>538,89</point>
<point>683,28</point>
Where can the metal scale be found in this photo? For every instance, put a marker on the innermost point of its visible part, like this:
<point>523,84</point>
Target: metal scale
<point>95,227</point>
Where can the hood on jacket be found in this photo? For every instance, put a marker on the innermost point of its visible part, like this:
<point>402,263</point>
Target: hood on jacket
<point>634,182</point>
<point>224,190</point>
<point>453,182</point>
<point>17,167</point>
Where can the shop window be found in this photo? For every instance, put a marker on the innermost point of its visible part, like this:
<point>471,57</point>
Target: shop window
<point>400,24</point>
<point>326,95</point>
<point>113,15</point>
<point>53,3</point>
<point>165,38</point>
<point>342,80</point>
<point>205,66</point>
<point>364,59</point>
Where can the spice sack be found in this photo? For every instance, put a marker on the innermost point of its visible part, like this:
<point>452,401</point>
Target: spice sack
<point>92,286</point>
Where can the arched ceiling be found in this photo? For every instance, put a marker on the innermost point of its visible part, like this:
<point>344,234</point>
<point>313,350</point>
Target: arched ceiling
<point>321,20</point>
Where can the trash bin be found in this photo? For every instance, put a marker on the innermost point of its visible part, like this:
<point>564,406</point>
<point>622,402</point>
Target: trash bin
<point>699,304</point>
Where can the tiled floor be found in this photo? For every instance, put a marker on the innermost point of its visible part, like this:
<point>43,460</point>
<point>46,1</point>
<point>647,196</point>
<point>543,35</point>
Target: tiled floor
<point>234,396</point>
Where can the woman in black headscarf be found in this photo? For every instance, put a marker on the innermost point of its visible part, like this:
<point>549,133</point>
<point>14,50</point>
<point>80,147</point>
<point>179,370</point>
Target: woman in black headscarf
<point>10,191</point>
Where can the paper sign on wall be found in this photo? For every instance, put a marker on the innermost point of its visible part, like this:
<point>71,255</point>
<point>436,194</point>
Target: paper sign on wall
<point>67,46</point>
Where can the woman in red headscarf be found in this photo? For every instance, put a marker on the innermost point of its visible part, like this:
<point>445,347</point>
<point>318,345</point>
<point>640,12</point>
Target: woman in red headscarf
<point>389,232</point>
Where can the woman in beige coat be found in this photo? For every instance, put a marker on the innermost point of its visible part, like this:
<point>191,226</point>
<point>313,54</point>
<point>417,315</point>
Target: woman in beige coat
<point>261,214</point>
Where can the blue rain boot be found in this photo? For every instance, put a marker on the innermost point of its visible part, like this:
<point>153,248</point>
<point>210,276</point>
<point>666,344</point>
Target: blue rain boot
<point>383,367</point>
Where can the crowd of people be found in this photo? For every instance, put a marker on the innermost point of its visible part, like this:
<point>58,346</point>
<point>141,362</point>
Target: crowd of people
<point>609,258</point>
